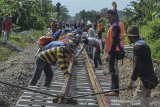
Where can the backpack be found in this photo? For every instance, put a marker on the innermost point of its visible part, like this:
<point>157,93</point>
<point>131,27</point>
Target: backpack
<point>120,54</point>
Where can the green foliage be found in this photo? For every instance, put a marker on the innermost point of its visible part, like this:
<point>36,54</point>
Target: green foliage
<point>151,34</point>
<point>141,11</point>
<point>151,30</point>
<point>145,13</point>
<point>4,53</point>
<point>20,39</point>
<point>28,14</point>
<point>155,49</point>
<point>24,39</point>
<point>86,15</point>
<point>64,14</point>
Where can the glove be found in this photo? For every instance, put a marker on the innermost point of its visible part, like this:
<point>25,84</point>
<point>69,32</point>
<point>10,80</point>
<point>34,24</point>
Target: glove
<point>67,74</point>
<point>131,84</point>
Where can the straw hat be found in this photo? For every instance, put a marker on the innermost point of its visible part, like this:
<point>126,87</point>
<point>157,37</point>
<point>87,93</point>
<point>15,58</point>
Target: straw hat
<point>132,31</point>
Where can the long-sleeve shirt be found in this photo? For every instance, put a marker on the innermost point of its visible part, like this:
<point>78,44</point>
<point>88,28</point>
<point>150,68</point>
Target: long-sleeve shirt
<point>143,66</point>
<point>115,35</point>
<point>54,44</point>
<point>56,55</point>
<point>56,34</point>
<point>91,33</point>
<point>93,42</point>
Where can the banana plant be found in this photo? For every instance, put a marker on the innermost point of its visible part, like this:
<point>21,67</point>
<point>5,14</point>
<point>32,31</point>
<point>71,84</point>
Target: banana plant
<point>143,10</point>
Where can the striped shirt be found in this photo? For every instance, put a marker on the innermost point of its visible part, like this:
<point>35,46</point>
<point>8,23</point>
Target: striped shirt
<point>56,55</point>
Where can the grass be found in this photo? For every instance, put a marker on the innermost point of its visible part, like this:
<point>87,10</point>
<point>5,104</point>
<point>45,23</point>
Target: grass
<point>5,53</point>
<point>19,39</point>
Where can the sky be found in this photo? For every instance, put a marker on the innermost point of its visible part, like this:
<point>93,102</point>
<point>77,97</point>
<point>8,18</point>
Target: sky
<point>75,6</point>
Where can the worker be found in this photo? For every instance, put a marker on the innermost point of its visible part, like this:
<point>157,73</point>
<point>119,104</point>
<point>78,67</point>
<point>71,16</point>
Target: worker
<point>58,55</point>
<point>143,67</point>
<point>92,42</point>
<point>114,48</point>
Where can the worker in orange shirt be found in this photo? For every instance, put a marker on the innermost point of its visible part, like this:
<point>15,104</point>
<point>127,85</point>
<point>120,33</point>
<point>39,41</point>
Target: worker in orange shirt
<point>114,48</point>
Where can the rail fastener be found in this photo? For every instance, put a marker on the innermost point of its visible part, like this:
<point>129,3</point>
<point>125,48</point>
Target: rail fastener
<point>64,100</point>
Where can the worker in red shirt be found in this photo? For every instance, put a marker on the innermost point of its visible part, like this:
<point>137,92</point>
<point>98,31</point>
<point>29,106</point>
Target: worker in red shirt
<point>6,28</point>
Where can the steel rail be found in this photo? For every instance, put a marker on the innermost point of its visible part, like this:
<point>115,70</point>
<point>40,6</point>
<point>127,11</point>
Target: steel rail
<point>103,92</point>
<point>66,86</point>
<point>94,82</point>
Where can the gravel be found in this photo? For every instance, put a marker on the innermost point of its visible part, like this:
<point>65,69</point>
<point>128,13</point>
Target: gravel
<point>125,71</point>
<point>17,70</point>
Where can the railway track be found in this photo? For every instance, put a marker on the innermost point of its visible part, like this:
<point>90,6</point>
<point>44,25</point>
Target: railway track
<point>74,91</point>
<point>85,80</point>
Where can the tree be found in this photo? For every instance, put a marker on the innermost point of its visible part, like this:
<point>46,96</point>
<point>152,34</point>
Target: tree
<point>27,14</point>
<point>142,11</point>
<point>86,15</point>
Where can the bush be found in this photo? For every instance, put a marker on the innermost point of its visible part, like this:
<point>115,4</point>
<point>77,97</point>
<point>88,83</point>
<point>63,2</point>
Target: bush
<point>151,34</point>
<point>151,31</point>
<point>155,49</point>
<point>4,53</point>
<point>25,38</point>
<point>22,40</point>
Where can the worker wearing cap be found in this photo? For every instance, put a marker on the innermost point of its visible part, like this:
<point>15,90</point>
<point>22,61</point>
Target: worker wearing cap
<point>143,67</point>
<point>60,55</point>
